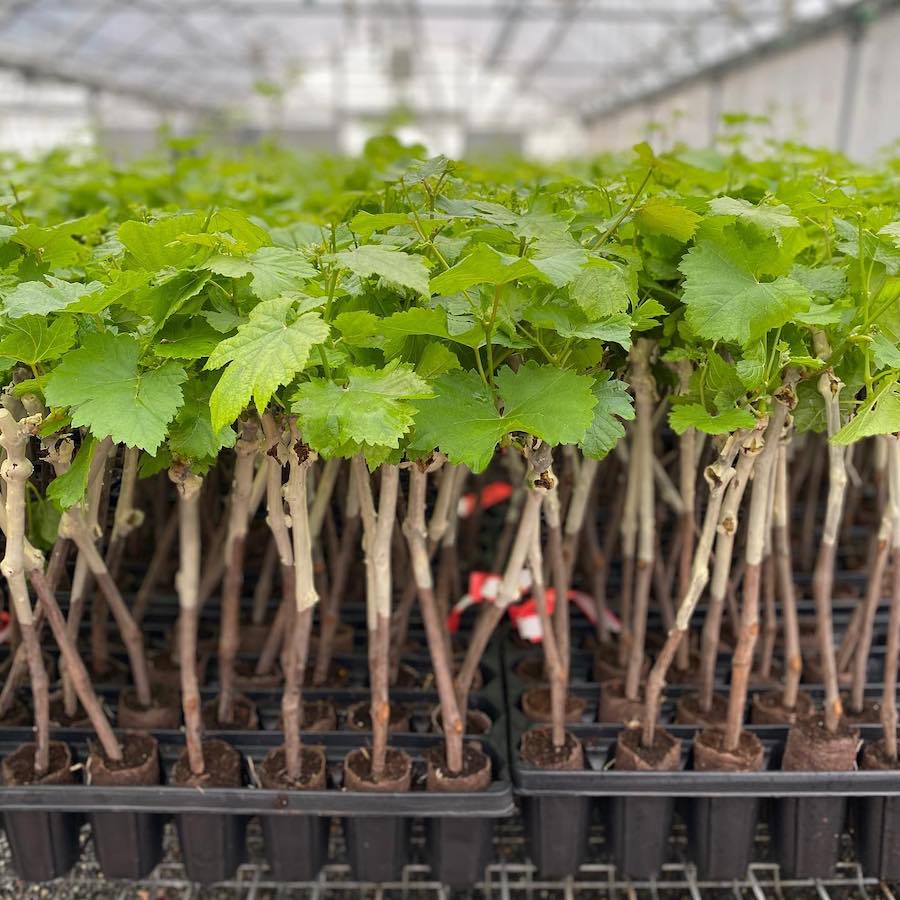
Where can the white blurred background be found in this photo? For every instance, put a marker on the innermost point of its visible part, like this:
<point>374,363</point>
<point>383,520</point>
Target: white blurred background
<point>547,78</point>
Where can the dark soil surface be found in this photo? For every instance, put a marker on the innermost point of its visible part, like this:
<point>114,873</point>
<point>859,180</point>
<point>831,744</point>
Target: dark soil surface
<point>273,773</point>
<point>811,748</point>
<point>537,748</point>
<point>139,763</point>
<point>475,774</point>
<point>358,771</point>
<point>223,767</point>
<point>632,756</point>
<point>536,705</point>
<point>710,754</point>
<point>18,767</point>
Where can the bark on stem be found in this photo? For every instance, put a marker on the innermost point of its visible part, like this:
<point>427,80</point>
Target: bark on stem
<point>15,470</point>
<point>889,697</point>
<point>341,568</point>
<point>508,592</point>
<point>162,551</point>
<point>556,632</point>
<point>718,476</point>
<point>187,583</point>
<point>784,578</point>
<point>726,531</point>
<point>823,575</point>
<point>74,527</point>
<point>296,650</point>
<point>757,524</point>
<point>642,384</point>
<point>126,518</point>
<point>416,533</point>
<point>628,530</point>
<point>875,581</point>
<point>377,531</point>
<point>238,522</point>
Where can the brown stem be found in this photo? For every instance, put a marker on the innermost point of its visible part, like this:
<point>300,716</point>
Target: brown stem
<point>377,533</point>
<point>784,574</point>
<point>74,527</point>
<point>158,561</point>
<point>262,592</point>
<point>75,666</point>
<point>889,696</point>
<point>275,638</point>
<point>642,384</point>
<point>556,650</point>
<point>416,534</point>
<point>875,581</point>
<point>188,585</point>
<point>238,521</point>
<point>718,476</point>
<point>726,533</point>
<point>758,524</point>
<point>823,575</point>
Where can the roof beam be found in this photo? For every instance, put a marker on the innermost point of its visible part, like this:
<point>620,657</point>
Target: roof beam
<point>799,34</point>
<point>34,68</point>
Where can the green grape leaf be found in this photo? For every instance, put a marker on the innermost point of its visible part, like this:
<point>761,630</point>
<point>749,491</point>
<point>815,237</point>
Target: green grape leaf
<point>603,288</point>
<point>191,435</point>
<point>274,270</point>
<point>461,420</point>
<point>892,230</point>
<point>44,297</point>
<point>436,359</point>
<point>186,338</point>
<point>694,415</point>
<point>407,270</point>
<point>725,301</point>
<point>613,404</point>
<point>418,321</point>
<point>884,351</point>
<point>373,409</point>
<point>831,281</point>
<point>484,265</point>
<point>153,245</point>
<point>661,216</point>
<point>881,415</point>
<point>358,328</point>
<point>31,340</point>
<point>553,404</point>
<point>68,489</point>
<point>267,351</point>
<point>767,218</point>
<point>106,391</point>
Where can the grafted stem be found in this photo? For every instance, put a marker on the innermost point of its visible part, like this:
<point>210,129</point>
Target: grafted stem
<point>889,697</point>
<point>187,583</point>
<point>718,476</point>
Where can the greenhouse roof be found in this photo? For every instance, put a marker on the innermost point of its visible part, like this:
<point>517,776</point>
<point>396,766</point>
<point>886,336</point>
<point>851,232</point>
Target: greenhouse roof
<point>482,62</point>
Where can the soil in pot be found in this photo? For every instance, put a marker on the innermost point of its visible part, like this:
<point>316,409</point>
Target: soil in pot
<point>19,716</point>
<point>43,845</point>
<point>166,671</point>
<point>721,830</point>
<point>768,708</point>
<point>316,716</point>
<point>128,844</point>
<point>535,704</point>
<point>870,714</point>
<point>338,675</point>
<point>164,712</point>
<point>408,679</point>
<point>458,848</point>
<point>615,707</point>
<point>688,711</point>
<point>296,846</point>
<point>556,826</point>
<point>246,717</point>
<point>477,722</point>
<point>531,669</point>
<point>342,642</point>
<point>60,719</point>
<point>246,679</point>
<point>878,821</point>
<point>359,718</point>
<point>212,844</point>
<point>639,826</point>
<point>377,846</point>
<point>808,829</point>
